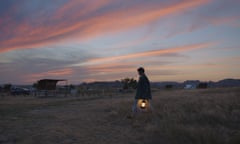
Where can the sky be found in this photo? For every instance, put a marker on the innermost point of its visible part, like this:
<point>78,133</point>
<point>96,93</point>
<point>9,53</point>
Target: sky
<point>107,40</point>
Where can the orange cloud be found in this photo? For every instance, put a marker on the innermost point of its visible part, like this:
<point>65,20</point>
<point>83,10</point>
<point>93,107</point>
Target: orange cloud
<point>52,73</point>
<point>82,25</point>
<point>149,53</point>
<point>120,20</point>
<point>111,68</point>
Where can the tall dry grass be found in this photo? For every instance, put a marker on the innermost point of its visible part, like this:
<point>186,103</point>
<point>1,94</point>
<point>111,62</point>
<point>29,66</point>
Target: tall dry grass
<point>210,116</point>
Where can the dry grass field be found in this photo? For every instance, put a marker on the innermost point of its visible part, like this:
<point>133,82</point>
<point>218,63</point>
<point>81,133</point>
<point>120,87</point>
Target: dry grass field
<point>207,116</point>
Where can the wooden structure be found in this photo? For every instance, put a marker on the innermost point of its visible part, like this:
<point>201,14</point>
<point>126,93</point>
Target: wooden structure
<point>48,87</point>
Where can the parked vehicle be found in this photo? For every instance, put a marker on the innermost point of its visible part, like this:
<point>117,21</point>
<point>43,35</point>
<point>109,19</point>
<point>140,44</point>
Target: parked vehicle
<point>20,91</point>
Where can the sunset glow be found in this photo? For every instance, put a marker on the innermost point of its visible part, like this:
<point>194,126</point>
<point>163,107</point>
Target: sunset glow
<point>104,40</point>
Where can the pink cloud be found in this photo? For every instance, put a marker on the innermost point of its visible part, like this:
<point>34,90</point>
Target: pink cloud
<point>111,68</point>
<point>79,25</point>
<point>49,74</point>
<point>150,53</point>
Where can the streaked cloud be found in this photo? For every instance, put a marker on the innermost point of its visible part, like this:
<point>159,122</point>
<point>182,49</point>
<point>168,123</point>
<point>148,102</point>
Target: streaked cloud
<point>71,22</point>
<point>147,54</point>
<point>52,73</point>
<point>91,40</point>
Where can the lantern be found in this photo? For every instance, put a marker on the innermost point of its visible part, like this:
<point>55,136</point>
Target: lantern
<point>143,105</point>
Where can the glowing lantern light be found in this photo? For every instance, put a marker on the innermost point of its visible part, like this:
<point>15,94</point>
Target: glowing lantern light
<point>143,104</point>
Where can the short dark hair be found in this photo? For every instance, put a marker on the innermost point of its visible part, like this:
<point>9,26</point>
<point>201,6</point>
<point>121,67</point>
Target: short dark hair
<point>141,69</point>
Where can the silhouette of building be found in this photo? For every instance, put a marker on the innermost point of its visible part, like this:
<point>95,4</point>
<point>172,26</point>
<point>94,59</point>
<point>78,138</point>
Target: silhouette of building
<point>48,86</point>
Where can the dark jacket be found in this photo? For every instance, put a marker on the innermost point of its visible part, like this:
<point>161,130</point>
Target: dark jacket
<point>143,88</point>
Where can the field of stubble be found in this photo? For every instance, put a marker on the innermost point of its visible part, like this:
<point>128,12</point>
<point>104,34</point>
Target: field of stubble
<point>210,116</point>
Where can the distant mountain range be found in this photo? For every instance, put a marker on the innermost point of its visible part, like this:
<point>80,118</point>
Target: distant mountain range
<point>226,83</point>
<point>211,84</point>
<point>221,83</point>
<point>117,84</point>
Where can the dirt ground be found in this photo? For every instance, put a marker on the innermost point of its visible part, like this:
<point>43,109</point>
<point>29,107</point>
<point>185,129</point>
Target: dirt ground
<point>179,116</point>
